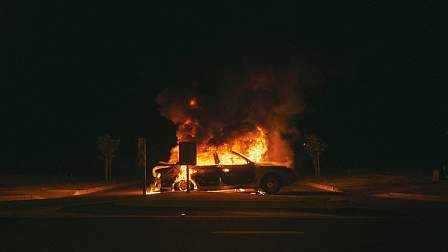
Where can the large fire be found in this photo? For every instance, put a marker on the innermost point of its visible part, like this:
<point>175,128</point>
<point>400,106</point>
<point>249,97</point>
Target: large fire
<point>252,115</point>
<point>252,145</point>
<point>249,140</point>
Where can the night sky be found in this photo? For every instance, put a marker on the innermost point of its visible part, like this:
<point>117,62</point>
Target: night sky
<point>373,75</point>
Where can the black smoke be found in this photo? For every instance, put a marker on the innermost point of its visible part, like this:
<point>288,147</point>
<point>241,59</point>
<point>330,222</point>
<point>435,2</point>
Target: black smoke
<point>239,92</point>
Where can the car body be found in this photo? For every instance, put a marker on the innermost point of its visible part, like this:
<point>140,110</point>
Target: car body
<point>267,177</point>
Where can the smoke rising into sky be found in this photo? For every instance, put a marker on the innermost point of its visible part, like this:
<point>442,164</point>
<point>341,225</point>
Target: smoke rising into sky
<point>215,104</point>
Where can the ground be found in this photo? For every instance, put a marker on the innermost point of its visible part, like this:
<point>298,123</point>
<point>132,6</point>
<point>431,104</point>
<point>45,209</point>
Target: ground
<point>47,186</point>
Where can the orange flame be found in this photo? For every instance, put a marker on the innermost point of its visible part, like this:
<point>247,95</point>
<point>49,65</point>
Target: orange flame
<point>253,145</point>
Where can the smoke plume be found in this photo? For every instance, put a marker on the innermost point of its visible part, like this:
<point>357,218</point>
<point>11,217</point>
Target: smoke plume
<point>215,103</point>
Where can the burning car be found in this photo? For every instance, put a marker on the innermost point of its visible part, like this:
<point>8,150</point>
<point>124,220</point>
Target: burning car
<point>242,173</point>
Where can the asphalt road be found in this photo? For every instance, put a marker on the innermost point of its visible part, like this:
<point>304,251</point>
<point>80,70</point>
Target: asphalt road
<point>94,223</point>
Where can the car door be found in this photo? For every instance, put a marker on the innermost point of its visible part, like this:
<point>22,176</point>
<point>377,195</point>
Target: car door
<point>207,175</point>
<point>238,174</point>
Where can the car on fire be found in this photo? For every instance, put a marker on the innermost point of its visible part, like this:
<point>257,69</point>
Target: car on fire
<point>267,177</point>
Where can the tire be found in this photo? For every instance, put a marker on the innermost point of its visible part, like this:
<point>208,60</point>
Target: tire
<point>157,183</point>
<point>271,183</point>
<point>182,186</point>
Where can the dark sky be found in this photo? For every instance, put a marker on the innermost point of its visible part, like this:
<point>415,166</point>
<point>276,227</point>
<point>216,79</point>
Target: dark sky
<point>376,73</point>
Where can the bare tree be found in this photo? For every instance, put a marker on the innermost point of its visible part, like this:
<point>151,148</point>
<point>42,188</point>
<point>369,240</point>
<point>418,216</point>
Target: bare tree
<point>314,146</point>
<point>107,149</point>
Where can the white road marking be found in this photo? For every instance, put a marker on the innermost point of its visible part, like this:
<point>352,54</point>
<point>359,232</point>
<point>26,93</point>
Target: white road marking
<point>260,232</point>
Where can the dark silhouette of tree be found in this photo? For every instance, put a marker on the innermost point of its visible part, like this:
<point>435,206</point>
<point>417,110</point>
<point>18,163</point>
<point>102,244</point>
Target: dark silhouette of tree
<point>107,149</point>
<point>314,146</point>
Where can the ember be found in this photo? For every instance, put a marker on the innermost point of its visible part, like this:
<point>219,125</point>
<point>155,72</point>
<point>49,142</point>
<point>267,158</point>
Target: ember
<point>193,103</point>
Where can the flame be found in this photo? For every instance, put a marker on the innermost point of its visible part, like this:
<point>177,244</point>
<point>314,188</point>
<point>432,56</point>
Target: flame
<point>251,112</point>
<point>182,177</point>
<point>252,145</point>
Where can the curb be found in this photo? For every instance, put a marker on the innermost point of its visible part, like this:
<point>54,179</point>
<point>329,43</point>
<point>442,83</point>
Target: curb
<point>97,189</point>
<point>323,187</point>
<point>104,188</point>
<point>20,197</point>
<point>409,196</point>
<point>66,194</point>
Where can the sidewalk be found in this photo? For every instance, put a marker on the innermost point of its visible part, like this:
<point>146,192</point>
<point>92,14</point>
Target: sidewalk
<point>410,187</point>
<point>56,190</point>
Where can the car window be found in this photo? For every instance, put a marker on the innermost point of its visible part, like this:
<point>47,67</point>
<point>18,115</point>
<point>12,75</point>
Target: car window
<point>230,158</point>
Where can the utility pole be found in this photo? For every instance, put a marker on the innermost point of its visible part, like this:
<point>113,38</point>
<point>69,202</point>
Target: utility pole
<point>142,160</point>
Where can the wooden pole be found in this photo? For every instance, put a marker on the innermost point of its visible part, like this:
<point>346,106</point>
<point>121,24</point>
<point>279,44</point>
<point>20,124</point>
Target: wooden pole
<point>144,174</point>
<point>142,160</point>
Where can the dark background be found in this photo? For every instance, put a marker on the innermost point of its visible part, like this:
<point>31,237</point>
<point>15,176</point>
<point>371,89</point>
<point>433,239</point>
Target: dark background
<point>71,71</point>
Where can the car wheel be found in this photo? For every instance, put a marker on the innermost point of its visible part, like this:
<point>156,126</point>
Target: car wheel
<point>271,183</point>
<point>182,186</point>
<point>157,183</point>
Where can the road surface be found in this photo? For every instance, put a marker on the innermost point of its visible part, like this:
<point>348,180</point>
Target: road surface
<point>95,223</point>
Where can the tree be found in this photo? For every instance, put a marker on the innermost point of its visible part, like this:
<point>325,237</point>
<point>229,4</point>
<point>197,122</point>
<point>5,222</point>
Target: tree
<point>107,149</point>
<point>314,146</point>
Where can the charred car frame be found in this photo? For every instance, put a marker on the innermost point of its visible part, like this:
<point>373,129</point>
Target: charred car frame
<point>269,178</point>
